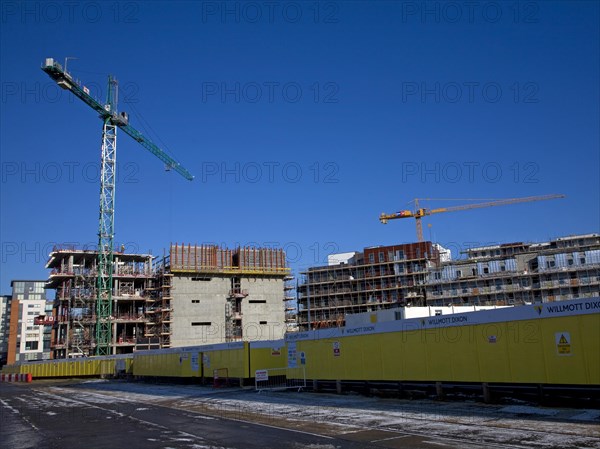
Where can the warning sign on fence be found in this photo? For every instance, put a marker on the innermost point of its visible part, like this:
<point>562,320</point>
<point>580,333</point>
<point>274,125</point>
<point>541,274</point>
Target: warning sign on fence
<point>261,375</point>
<point>336,348</point>
<point>563,343</point>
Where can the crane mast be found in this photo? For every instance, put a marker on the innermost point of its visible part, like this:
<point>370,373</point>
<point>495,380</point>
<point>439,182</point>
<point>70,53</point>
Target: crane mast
<point>111,122</point>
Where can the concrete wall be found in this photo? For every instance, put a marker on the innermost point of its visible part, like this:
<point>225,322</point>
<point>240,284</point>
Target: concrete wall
<point>263,312</point>
<point>210,308</point>
<point>263,320</point>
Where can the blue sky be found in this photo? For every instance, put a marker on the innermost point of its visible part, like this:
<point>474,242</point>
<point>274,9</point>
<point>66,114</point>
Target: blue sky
<point>302,122</point>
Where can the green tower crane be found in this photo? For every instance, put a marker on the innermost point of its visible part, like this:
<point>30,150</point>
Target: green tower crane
<point>112,120</point>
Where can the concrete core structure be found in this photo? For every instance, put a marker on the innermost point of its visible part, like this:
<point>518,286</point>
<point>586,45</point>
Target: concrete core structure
<point>221,295</point>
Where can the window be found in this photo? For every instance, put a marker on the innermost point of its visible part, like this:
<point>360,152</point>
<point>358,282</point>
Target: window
<point>381,257</point>
<point>19,287</point>
<point>201,323</point>
<point>486,270</point>
<point>502,268</point>
<point>458,273</point>
<point>371,258</point>
<point>262,322</point>
<point>257,301</point>
<point>31,345</point>
<point>195,301</point>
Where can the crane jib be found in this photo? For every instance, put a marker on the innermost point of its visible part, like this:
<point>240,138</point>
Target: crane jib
<point>66,81</point>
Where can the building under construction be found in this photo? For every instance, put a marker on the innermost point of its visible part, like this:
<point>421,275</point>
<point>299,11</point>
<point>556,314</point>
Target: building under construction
<point>221,295</point>
<point>193,295</point>
<point>74,277</point>
<point>421,274</point>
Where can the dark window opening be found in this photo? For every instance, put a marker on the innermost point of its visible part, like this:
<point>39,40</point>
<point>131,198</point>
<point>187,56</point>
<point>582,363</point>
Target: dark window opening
<point>257,301</point>
<point>31,345</point>
<point>201,323</point>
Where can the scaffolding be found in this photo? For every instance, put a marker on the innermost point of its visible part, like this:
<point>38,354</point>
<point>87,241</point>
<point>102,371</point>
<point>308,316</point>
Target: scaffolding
<point>379,278</point>
<point>291,304</point>
<point>414,275</point>
<point>157,331</point>
<point>74,277</point>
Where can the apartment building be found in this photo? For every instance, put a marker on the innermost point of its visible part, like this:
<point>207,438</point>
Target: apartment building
<point>28,338</point>
<point>423,274</point>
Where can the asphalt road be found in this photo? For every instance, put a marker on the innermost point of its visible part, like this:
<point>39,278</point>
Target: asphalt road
<point>96,414</point>
<point>28,422</point>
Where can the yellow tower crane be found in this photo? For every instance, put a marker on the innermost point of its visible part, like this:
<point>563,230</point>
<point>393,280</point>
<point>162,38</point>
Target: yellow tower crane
<point>420,212</point>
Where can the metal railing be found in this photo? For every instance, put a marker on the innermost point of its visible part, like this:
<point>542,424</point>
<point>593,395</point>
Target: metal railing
<point>280,379</point>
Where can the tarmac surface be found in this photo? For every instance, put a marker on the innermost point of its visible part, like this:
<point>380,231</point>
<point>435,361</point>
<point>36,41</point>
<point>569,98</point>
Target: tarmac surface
<point>127,415</point>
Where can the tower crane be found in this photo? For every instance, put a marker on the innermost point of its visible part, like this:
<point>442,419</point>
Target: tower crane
<point>420,212</point>
<point>112,121</point>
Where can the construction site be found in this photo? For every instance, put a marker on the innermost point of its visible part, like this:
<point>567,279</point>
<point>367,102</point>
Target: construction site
<point>422,274</point>
<point>194,294</point>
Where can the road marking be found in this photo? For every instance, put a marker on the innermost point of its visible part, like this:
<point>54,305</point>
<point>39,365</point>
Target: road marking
<point>12,409</point>
<point>280,428</point>
<point>182,432</point>
<point>390,438</point>
<point>16,412</point>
